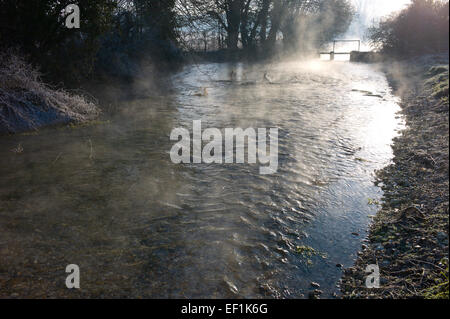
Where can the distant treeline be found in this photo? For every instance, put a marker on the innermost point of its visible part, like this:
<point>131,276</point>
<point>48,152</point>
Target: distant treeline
<point>117,36</point>
<point>422,27</point>
<point>249,24</point>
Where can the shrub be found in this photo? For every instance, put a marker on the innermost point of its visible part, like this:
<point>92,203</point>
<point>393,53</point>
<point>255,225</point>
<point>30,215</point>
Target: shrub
<point>27,103</point>
<point>423,27</point>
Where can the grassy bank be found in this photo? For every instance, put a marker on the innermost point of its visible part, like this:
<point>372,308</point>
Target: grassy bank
<point>27,103</point>
<point>408,238</point>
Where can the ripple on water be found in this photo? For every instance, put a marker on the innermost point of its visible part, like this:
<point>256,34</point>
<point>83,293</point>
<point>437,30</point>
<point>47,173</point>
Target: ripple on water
<point>138,223</point>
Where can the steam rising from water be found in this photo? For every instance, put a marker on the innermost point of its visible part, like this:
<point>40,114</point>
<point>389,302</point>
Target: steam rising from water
<point>109,199</point>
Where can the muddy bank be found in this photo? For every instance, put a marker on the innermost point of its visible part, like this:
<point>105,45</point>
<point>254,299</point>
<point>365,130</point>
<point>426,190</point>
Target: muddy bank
<point>408,238</point>
<point>365,57</point>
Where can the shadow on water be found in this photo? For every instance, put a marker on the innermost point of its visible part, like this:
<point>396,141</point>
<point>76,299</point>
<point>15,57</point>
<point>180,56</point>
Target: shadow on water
<point>107,197</point>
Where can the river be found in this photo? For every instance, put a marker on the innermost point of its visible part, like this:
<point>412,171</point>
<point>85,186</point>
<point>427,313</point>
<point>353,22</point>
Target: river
<point>107,197</point>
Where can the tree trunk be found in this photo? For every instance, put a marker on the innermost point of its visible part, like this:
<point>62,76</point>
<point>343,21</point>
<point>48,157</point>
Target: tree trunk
<point>245,36</point>
<point>233,38</point>
<point>233,21</point>
<point>276,15</point>
<point>261,20</point>
<point>263,17</point>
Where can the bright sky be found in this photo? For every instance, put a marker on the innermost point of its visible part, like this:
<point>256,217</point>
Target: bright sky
<point>385,7</point>
<point>375,9</point>
<point>370,11</point>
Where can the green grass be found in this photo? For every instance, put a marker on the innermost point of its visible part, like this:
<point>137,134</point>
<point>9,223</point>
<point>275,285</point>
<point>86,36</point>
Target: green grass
<point>438,81</point>
<point>441,289</point>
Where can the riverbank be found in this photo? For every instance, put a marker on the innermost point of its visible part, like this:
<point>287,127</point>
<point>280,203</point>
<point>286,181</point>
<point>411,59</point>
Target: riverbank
<point>408,238</point>
<point>27,103</point>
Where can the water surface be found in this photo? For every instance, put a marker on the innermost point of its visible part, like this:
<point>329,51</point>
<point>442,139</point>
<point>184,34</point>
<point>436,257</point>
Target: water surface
<point>107,197</point>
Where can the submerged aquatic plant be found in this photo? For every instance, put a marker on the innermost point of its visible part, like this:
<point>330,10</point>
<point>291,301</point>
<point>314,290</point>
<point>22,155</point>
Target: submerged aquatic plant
<point>308,251</point>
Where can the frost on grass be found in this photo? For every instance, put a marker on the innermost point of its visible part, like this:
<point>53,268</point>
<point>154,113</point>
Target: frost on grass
<point>27,103</point>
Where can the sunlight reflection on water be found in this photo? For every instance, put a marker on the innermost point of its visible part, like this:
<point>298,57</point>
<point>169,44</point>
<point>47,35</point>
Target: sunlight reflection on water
<point>140,225</point>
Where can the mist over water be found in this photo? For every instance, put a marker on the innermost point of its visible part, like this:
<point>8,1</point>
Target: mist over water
<point>107,197</point>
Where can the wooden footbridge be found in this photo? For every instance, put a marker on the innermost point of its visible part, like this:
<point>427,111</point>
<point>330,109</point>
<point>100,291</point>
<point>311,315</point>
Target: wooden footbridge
<point>333,52</point>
